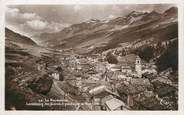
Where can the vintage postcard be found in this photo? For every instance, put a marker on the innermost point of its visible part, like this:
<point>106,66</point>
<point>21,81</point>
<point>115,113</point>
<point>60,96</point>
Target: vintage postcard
<point>92,57</point>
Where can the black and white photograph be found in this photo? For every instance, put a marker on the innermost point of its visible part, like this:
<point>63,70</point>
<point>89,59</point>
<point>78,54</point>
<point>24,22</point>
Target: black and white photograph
<point>91,57</point>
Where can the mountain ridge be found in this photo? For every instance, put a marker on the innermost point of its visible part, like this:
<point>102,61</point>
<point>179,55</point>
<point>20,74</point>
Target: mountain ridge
<point>97,33</point>
<point>18,38</point>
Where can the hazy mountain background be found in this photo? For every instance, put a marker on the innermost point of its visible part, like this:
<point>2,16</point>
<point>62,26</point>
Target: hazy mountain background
<point>101,34</point>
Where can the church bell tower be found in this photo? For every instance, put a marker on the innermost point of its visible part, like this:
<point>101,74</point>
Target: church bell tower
<point>138,66</point>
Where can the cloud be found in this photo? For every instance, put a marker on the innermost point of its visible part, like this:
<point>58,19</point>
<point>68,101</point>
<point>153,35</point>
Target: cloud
<point>45,26</point>
<point>14,15</point>
<point>35,19</point>
<point>31,22</point>
<point>56,27</point>
<point>30,16</point>
<point>37,24</point>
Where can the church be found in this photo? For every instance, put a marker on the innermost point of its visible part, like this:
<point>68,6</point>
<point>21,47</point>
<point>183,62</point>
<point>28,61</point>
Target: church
<point>138,66</point>
<point>134,71</point>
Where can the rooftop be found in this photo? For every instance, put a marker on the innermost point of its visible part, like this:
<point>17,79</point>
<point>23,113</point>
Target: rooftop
<point>130,89</point>
<point>114,103</point>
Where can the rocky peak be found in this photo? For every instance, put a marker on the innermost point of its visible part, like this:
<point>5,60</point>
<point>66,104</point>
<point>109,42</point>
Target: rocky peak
<point>170,11</point>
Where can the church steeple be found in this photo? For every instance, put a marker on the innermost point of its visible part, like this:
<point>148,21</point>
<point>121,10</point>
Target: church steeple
<point>138,66</point>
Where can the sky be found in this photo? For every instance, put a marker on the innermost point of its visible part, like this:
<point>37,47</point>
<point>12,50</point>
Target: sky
<point>32,20</point>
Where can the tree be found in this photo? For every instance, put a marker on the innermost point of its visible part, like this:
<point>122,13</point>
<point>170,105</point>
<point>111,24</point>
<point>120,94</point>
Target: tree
<point>169,58</point>
<point>123,52</point>
<point>146,53</point>
<point>111,58</point>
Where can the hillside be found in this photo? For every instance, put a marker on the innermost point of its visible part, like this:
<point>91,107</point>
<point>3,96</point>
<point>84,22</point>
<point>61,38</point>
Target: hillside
<point>18,38</point>
<point>101,35</point>
<point>21,74</point>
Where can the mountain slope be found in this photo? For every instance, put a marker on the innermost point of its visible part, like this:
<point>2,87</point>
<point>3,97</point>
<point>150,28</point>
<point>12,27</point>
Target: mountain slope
<point>101,35</point>
<point>15,37</point>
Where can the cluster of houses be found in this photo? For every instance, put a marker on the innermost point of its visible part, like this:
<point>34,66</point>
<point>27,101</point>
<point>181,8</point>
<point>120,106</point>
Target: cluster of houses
<point>105,96</point>
<point>105,99</point>
<point>127,69</point>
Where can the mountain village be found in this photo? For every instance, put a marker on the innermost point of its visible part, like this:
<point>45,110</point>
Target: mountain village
<point>126,63</point>
<point>104,86</point>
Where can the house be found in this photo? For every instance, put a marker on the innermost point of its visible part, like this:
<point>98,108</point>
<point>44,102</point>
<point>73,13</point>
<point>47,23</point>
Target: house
<point>126,69</point>
<point>94,78</point>
<point>128,90</point>
<point>124,77</point>
<point>116,68</point>
<point>140,81</point>
<point>79,82</point>
<point>147,100</point>
<point>113,67</point>
<point>55,75</point>
<point>105,99</point>
<point>98,90</point>
<point>99,95</point>
<point>39,67</point>
<point>115,104</point>
<point>120,76</point>
<point>149,71</point>
<point>108,102</point>
<point>133,74</point>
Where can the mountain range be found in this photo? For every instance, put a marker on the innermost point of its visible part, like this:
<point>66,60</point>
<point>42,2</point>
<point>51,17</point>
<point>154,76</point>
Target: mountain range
<point>106,34</point>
